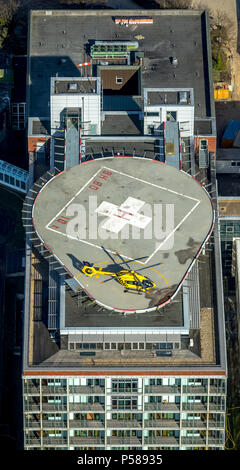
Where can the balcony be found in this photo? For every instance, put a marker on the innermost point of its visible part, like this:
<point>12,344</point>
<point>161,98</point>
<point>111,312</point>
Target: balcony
<point>55,441</point>
<point>194,423</point>
<point>214,423</point>
<point>51,407</point>
<point>33,441</point>
<point>203,424</point>
<point>194,406</point>
<point>193,440</point>
<point>124,441</point>
<point>86,407</point>
<point>86,424</point>
<point>217,406</point>
<point>161,423</point>
<point>165,407</point>
<point>54,424</point>
<point>54,390</point>
<point>31,406</point>
<point>32,424</point>
<point>161,440</point>
<point>215,390</point>
<point>215,441</point>
<point>195,389</point>
<point>86,440</point>
<point>87,389</point>
<point>30,389</point>
<point>124,424</point>
<point>154,389</point>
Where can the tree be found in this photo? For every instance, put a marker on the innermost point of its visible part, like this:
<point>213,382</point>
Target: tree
<point>174,4</point>
<point>7,9</point>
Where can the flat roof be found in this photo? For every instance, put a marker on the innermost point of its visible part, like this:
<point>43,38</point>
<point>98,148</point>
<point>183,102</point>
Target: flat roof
<point>121,124</point>
<point>58,40</point>
<point>127,210</point>
<point>228,185</point>
<point>229,208</point>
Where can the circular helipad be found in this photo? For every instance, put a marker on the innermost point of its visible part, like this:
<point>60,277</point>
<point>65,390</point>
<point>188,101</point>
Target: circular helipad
<point>125,214</point>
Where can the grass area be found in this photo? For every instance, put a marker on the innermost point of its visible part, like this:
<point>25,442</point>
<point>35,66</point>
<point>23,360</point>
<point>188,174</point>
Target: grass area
<point>11,229</point>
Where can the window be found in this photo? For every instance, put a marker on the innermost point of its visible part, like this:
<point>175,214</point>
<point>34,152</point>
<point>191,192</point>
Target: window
<point>152,113</point>
<point>126,403</point>
<point>18,116</point>
<point>165,345</point>
<point>227,263</point>
<point>124,385</point>
<point>171,116</point>
<point>119,80</point>
<point>228,246</point>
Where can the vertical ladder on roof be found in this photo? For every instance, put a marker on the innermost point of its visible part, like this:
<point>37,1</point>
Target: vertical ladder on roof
<point>203,154</point>
<point>187,147</point>
<point>101,102</point>
<point>160,147</point>
<point>192,285</point>
<point>53,293</point>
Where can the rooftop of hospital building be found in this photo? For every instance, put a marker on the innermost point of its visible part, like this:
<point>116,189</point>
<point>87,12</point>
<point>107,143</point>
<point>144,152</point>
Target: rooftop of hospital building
<point>135,75</point>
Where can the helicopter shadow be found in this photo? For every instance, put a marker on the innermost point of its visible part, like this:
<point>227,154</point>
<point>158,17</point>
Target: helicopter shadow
<point>77,264</point>
<point>111,267</point>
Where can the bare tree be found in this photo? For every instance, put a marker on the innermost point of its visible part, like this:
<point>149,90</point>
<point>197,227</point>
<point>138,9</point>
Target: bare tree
<point>8,8</point>
<point>81,2</point>
<point>174,4</point>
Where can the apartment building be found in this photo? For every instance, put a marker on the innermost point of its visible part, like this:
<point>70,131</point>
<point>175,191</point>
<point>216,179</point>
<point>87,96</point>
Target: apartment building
<point>107,368</point>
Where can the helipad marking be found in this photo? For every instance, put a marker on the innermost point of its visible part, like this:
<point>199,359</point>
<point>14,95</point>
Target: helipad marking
<point>137,179</point>
<point>72,199</point>
<point>152,184</point>
<point>127,213</point>
<point>173,231</point>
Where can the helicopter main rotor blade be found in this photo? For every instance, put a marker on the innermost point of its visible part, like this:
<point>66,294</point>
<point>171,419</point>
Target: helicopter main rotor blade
<point>122,260</point>
<point>146,267</point>
<point>106,280</point>
<point>130,260</point>
<point>125,262</point>
<point>107,253</point>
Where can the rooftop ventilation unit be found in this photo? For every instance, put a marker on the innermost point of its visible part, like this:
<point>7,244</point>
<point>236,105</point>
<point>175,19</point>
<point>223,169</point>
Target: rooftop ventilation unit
<point>174,61</point>
<point>72,86</point>
<point>182,97</point>
<point>112,49</point>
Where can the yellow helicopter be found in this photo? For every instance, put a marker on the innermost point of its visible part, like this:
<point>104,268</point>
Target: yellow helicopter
<point>128,278</point>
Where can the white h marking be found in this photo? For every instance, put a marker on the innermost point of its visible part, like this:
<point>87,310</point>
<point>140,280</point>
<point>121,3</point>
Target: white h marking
<point>127,213</point>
